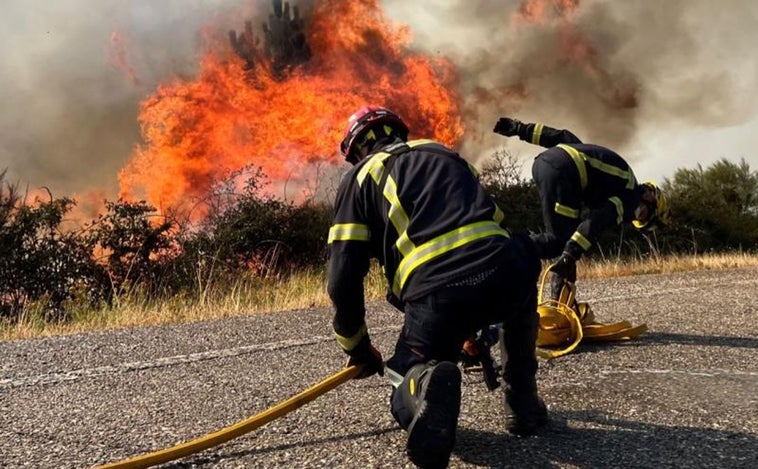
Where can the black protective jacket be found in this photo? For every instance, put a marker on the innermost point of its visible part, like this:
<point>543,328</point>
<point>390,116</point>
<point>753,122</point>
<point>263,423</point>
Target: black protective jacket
<point>573,178</point>
<point>418,208</point>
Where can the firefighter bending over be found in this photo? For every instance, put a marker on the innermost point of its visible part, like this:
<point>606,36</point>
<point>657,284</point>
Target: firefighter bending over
<point>452,268</point>
<point>571,176</point>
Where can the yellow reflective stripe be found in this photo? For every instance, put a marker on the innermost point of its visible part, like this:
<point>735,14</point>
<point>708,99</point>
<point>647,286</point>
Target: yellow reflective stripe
<point>398,217</point>
<point>537,133</point>
<point>442,244</point>
<point>421,141</point>
<point>612,170</point>
<point>499,215</point>
<point>581,240</point>
<point>404,243</point>
<point>349,232</point>
<point>473,170</point>
<point>566,211</point>
<point>579,159</point>
<point>396,214</point>
<point>349,343</point>
<point>619,209</point>
<point>374,166</point>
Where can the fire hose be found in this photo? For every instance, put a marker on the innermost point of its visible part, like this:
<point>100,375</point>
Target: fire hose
<point>239,428</point>
<point>564,323</point>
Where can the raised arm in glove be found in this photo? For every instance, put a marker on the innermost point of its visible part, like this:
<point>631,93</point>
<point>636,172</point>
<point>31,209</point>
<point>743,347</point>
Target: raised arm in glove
<point>507,126</point>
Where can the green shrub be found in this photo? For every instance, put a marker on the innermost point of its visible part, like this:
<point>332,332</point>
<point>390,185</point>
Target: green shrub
<point>41,264</point>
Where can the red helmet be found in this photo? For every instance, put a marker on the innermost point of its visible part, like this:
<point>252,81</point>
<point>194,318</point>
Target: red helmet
<point>361,122</point>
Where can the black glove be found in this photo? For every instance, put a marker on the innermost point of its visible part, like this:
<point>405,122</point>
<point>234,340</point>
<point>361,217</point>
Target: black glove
<point>507,126</point>
<point>565,267</point>
<point>365,354</point>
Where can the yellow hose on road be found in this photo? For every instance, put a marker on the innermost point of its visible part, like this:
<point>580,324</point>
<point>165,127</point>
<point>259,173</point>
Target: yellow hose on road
<point>239,428</point>
<point>564,323</point>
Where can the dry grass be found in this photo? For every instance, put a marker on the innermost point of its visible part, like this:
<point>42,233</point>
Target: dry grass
<point>305,290</point>
<point>656,265</point>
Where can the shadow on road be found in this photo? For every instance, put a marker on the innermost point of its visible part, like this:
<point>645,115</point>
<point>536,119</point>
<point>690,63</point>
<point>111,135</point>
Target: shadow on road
<point>213,459</point>
<point>622,444</point>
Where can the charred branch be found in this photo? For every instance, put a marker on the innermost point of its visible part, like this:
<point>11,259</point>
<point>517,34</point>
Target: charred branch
<point>284,42</point>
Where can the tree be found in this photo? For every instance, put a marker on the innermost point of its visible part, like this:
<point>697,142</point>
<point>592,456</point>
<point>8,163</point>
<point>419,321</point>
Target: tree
<point>516,196</point>
<point>716,207</point>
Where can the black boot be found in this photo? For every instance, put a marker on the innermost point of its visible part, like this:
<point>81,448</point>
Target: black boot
<point>556,286</point>
<point>525,411</point>
<point>432,394</point>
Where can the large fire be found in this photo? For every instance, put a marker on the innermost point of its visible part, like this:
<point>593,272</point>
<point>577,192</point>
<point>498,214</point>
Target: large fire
<point>279,98</point>
<point>236,113</point>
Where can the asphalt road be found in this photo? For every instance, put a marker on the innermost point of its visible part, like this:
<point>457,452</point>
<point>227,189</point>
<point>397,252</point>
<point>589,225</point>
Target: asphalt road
<point>685,394</point>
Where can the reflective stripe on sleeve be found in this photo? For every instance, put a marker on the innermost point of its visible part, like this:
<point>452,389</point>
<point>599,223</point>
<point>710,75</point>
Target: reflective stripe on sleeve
<point>349,343</point>
<point>349,232</point>
<point>619,209</point>
<point>581,240</point>
<point>440,245</point>
<point>537,133</point>
<point>566,211</point>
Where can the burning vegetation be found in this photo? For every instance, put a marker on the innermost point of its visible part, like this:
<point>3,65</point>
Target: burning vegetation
<point>280,101</point>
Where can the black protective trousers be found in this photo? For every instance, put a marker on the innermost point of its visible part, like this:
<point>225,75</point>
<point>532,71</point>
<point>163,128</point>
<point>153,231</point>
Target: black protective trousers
<point>557,180</point>
<point>436,325</point>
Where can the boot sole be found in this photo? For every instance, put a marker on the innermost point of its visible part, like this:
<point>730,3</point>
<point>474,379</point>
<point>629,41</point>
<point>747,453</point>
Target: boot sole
<point>431,435</point>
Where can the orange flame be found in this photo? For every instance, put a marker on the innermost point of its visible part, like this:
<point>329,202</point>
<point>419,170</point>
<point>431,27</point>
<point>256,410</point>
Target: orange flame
<point>196,131</point>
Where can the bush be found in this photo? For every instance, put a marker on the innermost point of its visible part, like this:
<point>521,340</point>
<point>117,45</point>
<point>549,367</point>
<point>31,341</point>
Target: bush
<point>714,208</point>
<point>133,244</point>
<point>516,196</point>
<point>250,230</point>
<point>39,263</point>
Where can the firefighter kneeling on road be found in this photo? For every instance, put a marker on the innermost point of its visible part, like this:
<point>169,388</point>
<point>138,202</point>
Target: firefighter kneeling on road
<point>571,176</point>
<point>452,268</point>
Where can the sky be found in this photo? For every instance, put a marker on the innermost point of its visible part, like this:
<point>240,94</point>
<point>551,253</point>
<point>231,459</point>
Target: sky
<point>668,84</point>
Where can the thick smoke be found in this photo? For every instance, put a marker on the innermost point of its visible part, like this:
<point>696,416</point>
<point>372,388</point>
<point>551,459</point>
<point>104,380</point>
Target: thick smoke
<point>74,72</point>
<point>609,70</point>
